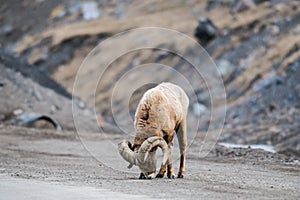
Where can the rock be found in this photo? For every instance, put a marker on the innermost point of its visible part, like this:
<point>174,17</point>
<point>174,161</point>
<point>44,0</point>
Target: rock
<point>265,83</point>
<point>206,30</point>
<point>199,109</point>
<point>296,30</point>
<point>242,5</point>
<point>79,103</point>
<point>35,120</point>
<point>275,30</point>
<point>54,108</point>
<point>260,1</point>
<point>18,111</point>
<point>38,55</point>
<point>280,6</point>
<point>37,94</point>
<point>74,9</point>
<point>90,10</point>
<point>211,4</point>
<point>58,12</point>
<point>225,68</point>
<point>120,10</point>
<point>6,29</point>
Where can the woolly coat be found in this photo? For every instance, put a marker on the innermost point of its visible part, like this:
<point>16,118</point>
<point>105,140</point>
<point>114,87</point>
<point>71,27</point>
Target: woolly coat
<point>159,112</point>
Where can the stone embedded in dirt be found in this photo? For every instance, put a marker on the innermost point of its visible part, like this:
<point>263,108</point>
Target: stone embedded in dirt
<point>206,30</point>
<point>90,10</point>
<point>38,55</point>
<point>6,29</point>
<point>211,4</point>
<point>241,5</point>
<point>74,8</point>
<point>35,120</point>
<point>275,30</point>
<point>296,30</point>
<point>225,68</point>
<point>260,1</point>
<point>199,109</point>
<point>18,112</point>
<point>58,12</point>
<point>268,82</point>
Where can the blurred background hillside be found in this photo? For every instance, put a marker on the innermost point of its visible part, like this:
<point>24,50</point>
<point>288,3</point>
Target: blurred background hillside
<point>254,43</point>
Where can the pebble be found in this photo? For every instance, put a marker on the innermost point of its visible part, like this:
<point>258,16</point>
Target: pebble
<point>296,30</point>
<point>275,30</point>
<point>18,111</point>
<point>199,109</point>
<point>7,29</point>
<point>225,68</point>
<point>90,10</point>
<point>206,30</point>
<point>241,5</point>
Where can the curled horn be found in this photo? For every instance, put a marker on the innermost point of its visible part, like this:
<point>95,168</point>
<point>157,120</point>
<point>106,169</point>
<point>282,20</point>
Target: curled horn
<point>142,155</point>
<point>126,153</point>
<point>149,144</point>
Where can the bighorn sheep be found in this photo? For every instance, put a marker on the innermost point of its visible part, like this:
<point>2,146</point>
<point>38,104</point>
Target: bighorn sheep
<point>161,112</point>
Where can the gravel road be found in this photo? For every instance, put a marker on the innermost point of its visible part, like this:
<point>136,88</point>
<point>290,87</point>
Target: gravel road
<point>47,161</point>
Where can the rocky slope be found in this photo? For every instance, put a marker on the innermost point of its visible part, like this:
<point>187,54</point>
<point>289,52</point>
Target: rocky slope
<point>256,48</point>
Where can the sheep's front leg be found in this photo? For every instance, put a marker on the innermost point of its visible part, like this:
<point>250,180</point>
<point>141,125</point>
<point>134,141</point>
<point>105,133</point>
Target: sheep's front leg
<point>142,176</point>
<point>181,136</point>
<point>168,138</point>
<point>169,167</point>
<point>162,171</point>
<point>170,172</point>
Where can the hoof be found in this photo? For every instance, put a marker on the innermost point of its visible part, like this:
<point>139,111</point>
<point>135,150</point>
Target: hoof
<point>180,175</point>
<point>142,176</point>
<point>171,176</point>
<point>159,176</point>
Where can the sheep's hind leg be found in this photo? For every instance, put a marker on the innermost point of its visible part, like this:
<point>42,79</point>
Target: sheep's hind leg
<point>181,136</point>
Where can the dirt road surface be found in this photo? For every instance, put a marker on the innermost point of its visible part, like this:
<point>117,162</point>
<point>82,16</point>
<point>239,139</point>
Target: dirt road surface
<point>38,162</point>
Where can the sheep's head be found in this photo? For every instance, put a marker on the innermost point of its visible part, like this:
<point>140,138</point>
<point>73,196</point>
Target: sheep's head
<point>145,157</point>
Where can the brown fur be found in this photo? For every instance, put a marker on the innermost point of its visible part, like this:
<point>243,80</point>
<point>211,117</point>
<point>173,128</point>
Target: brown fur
<point>161,111</point>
